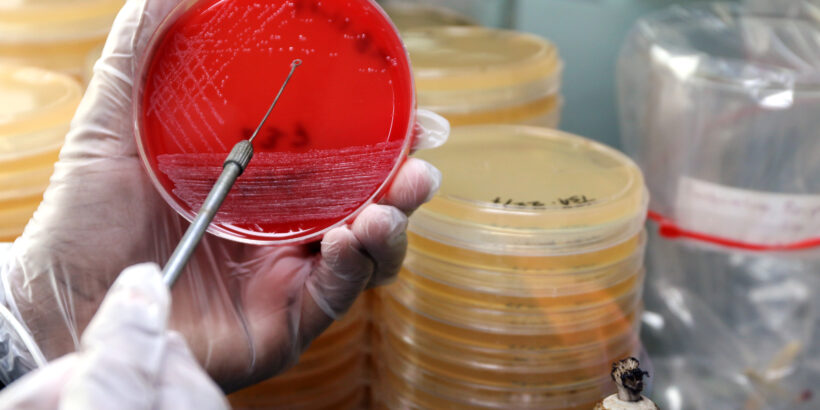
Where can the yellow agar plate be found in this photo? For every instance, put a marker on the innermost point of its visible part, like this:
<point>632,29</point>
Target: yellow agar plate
<point>36,107</point>
<point>527,191</point>
<point>475,75</point>
<point>54,34</point>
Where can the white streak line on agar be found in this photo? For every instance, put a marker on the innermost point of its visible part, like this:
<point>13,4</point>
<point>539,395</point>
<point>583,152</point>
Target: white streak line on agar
<point>286,187</point>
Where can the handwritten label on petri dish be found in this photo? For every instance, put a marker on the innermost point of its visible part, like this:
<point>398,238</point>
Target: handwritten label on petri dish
<point>340,130</point>
<point>513,202</point>
<point>573,201</point>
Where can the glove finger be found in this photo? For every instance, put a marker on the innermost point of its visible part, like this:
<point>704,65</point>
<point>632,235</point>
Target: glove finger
<point>122,348</point>
<point>183,384</point>
<point>39,389</point>
<point>338,279</point>
<point>153,14</point>
<point>432,130</point>
<point>102,125</point>
<point>415,184</point>
<point>381,230</point>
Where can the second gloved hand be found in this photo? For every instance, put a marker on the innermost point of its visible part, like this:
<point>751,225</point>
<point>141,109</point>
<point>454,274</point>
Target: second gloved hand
<point>247,312</point>
<point>127,359</point>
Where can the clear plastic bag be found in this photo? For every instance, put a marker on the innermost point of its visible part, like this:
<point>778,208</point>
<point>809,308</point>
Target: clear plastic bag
<point>719,106</point>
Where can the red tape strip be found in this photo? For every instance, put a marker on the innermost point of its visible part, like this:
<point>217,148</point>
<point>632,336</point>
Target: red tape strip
<point>668,229</point>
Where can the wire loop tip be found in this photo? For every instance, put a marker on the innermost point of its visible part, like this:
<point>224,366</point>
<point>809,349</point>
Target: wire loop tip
<point>293,64</point>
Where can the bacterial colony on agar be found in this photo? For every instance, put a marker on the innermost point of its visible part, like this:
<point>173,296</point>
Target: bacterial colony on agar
<point>331,145</point>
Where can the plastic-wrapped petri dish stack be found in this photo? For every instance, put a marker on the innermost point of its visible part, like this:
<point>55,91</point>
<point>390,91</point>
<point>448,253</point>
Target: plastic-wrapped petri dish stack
<point>331,374</point>
<point>54,34</point>
<point>414,15</point>
<point>36,107</point>
<point>719,108</point>
<point>478,75</point>
<point>523,278</point>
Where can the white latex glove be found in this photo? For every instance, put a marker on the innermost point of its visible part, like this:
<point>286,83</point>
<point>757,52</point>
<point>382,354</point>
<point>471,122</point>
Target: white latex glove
<point>247,312</point>
<point>127,359</point>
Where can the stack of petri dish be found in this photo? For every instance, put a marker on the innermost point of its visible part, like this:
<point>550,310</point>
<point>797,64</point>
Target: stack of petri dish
<point>54,34</point>
<point>523,279</point>
<point>331,374</point>
<point>479,75</point>
<point>36,107</point>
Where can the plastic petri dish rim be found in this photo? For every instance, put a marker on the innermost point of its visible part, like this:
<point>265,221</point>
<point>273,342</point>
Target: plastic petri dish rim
<point>459,70</point>
<point>508,357</point>
<point>17,185</point>
<point>408,16</point>
<point>529,321</point>
<point>504,373</point>
<point>446,392</point>
<point>44,21</point>
<point>36,107</point>
<point>317,161</point>
<point>527,191</point>
<point>519,280</point>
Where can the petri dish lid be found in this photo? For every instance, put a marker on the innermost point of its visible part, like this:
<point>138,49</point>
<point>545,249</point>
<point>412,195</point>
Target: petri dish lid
<point>27,21</point>
<point>518,190</point>
<point>36,107</point>
<point>480,66</point>
<point>330,147</point>
<point>408,16</point>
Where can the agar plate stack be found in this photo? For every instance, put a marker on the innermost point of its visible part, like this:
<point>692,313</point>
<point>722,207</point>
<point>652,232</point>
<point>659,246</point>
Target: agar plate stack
<point>54,34</point>
<point>523,279</point>
<point>331,374</point>
<point>36,107</point>
<point>478,75</point>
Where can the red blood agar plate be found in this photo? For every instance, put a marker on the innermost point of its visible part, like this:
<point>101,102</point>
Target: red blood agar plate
<point>336,138</point>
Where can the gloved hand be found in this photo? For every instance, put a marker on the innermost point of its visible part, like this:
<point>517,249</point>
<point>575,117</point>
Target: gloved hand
<point>127,359</point>
<point>246,311</point>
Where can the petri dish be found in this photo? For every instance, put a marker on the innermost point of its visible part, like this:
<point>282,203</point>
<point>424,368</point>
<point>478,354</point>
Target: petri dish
<point>426,288</point>
<point>330,147</point>
<point>479,75</point>
<point>36,107</point>
<point>27,183</point>
<point>409,16</point>
<point>508,368</point>
<point>54,34</point>
<point>341,367</point>
<point>64,57</point>
<point>566,335</point>
<point>429,390</point>
<point>331,349</point>
<point>329,373</point>
<point>325,391</point>
<point>532,192</point>
<point>544,281</point>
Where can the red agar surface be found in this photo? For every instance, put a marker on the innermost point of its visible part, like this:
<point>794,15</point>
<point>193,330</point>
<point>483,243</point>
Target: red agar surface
<point>330,146</point>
